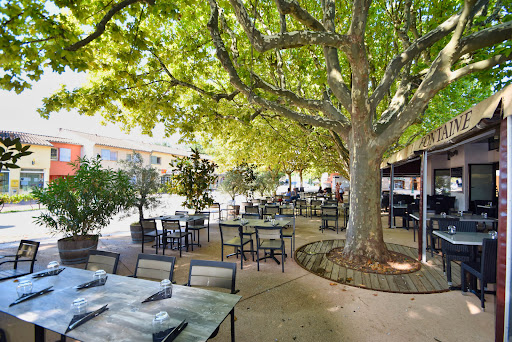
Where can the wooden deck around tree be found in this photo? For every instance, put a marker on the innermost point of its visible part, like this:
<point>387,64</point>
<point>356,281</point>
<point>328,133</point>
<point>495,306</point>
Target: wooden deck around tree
<point>429,279</point>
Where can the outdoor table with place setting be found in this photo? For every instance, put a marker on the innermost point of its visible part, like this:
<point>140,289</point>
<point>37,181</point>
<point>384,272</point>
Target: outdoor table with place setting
<point>182,218</point>
<point>116,308</point>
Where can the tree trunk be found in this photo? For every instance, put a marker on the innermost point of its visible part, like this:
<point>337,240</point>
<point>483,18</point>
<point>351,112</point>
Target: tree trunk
<point>301,182</point>
<point>365,239</point>
<point>290,180</point>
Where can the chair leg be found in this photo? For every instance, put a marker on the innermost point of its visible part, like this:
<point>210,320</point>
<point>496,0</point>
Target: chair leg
<point>482,294</point>
<point>222,252</point>
<point>258,257</point>
<point>282,257</point>
<point>242,256</point>
<point>463,279</point>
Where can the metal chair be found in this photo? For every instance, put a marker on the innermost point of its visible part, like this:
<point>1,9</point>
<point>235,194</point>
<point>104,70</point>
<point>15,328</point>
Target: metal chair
<point>270,211</point>
<point>231,235</point>
<point>434,224</point>
<point>286,233</point>
<point>252,210</point>
<point>156,267</point>
<point>27,251</point>
<point>485,270</point>
<point>315,205</point>
<point>329,213</point>
<point>214,274</point>
<point>301,205</point>
<point>172,233</point>
<point>102,260</point>
<point>206,215</point>
<point>214,209</point>
<point>153,234</point>
<point>270,239</point>
<point>196,226</point>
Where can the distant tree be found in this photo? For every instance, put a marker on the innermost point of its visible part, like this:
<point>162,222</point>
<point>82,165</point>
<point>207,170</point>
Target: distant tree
<point>192,179</point>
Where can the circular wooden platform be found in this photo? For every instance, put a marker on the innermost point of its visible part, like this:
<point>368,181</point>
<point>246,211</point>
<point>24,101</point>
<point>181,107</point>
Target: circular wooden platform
<point>429,279</point>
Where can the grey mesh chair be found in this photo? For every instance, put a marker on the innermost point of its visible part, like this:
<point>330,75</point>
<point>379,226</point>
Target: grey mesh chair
<point>270,239</point>
<point>27,251</point>
<point>102,260</point>
<point>154,267</point>
<point>287,234</point>
<point>214,274</point>
<point>485,270</point>
<point>231,235</point>
<point>271,211</point>
<point>434,225</point>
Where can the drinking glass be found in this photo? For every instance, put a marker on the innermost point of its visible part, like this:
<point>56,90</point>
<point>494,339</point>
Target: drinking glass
<point>166,288</point>
<point>452,229</point>
<point>79,306</point>
<point>484,215</point>
<point>493,234</point>
<point>100,276</point>
<point>53,267</point>
<point>24,288</point>
<point>273,222</point>
<point>161,322</point>
<point>443,214</point>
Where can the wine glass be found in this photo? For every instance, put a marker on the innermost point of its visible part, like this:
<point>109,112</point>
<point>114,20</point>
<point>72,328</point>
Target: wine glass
<point>166,288</point>
<point>452,229</point>
<point>53,267</point>
<point>24,288</point>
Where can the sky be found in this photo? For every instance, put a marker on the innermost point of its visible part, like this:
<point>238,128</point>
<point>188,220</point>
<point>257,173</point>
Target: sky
<point>18,113</point>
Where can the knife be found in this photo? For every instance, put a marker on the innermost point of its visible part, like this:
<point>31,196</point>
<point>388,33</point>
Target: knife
<point>86,318</point>
<point>175,332</point>
<point>32,295</point>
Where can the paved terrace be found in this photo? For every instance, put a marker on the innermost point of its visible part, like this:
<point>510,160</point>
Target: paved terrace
<point>292,306</point>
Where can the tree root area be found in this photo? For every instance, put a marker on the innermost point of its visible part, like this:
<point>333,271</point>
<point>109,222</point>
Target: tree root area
<point>397,264</point>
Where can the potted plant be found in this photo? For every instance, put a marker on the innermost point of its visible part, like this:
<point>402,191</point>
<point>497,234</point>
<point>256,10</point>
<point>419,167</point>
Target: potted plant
<point>192,179</point>
<point>146,183</point>
<point>79,206</point>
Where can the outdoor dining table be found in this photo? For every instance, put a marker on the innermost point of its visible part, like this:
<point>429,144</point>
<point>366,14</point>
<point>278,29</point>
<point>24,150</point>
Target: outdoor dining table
<point>182,218</point>
<point>127,319</point>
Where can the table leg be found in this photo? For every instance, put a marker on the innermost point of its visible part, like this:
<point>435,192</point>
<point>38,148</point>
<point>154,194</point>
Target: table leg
<point>38,333</point>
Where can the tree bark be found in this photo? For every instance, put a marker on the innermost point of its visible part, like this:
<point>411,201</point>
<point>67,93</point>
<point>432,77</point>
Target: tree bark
<point>365,240</point>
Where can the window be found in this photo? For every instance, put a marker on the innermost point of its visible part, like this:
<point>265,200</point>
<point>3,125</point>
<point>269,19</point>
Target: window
<point>442,181</point>
<point>108,155</point>
<point>155,160</point>
<point>65,154</point>
<point>31,179</point>
<point>128,156</point>
<point>54,154</point>
<point>4,182</point>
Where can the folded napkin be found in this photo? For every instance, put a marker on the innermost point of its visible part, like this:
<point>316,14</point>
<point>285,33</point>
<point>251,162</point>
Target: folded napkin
<point>157,296</point>
<point>169,334</point>
<point>31,295</point>
<point>78,320</point>
<point>48,273</point>
<point>92,283</point>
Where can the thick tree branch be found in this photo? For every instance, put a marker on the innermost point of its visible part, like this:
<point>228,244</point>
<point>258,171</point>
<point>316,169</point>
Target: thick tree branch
<point>100,27</point>
<point>334,77</point>
<point>484,38</point>
<point>285,40</point>
<point>397,63</point>
<point>234,48</point>
<point>479,66</point>
<point>235,80</point>
<point>293,8</point>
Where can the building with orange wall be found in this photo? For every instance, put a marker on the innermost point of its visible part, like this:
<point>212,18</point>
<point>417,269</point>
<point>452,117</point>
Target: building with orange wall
<point>63,152</point>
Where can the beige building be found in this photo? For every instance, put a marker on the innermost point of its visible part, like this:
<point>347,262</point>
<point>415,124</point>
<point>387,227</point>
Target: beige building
<point>34,169</point>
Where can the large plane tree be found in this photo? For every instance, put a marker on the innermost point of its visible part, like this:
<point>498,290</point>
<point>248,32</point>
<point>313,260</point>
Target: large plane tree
<point>361,70</point>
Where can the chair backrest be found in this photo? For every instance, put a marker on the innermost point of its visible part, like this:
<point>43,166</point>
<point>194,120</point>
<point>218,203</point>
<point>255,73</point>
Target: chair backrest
<point>272,209</point>
<point>155,267</point>
<point>436,222</point>
<point>290,217</point>
<point>286,211</point>
<point>228,232</point>
<point>269,233</point>
<point>212,274</point>
<point>251,216</point>
<point>461,226</point>
<point>215,206</point>
<point>316,202</point>
<point>252,210</point>
<point>27,250</point>
<point>329,211</point>
<point>181,212</point>
<point>489,259</point>
<point>300,202</point>
<point>102,260</point>
<point>331,202</point>
<point>171,225</point>
<point>148,223</point>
